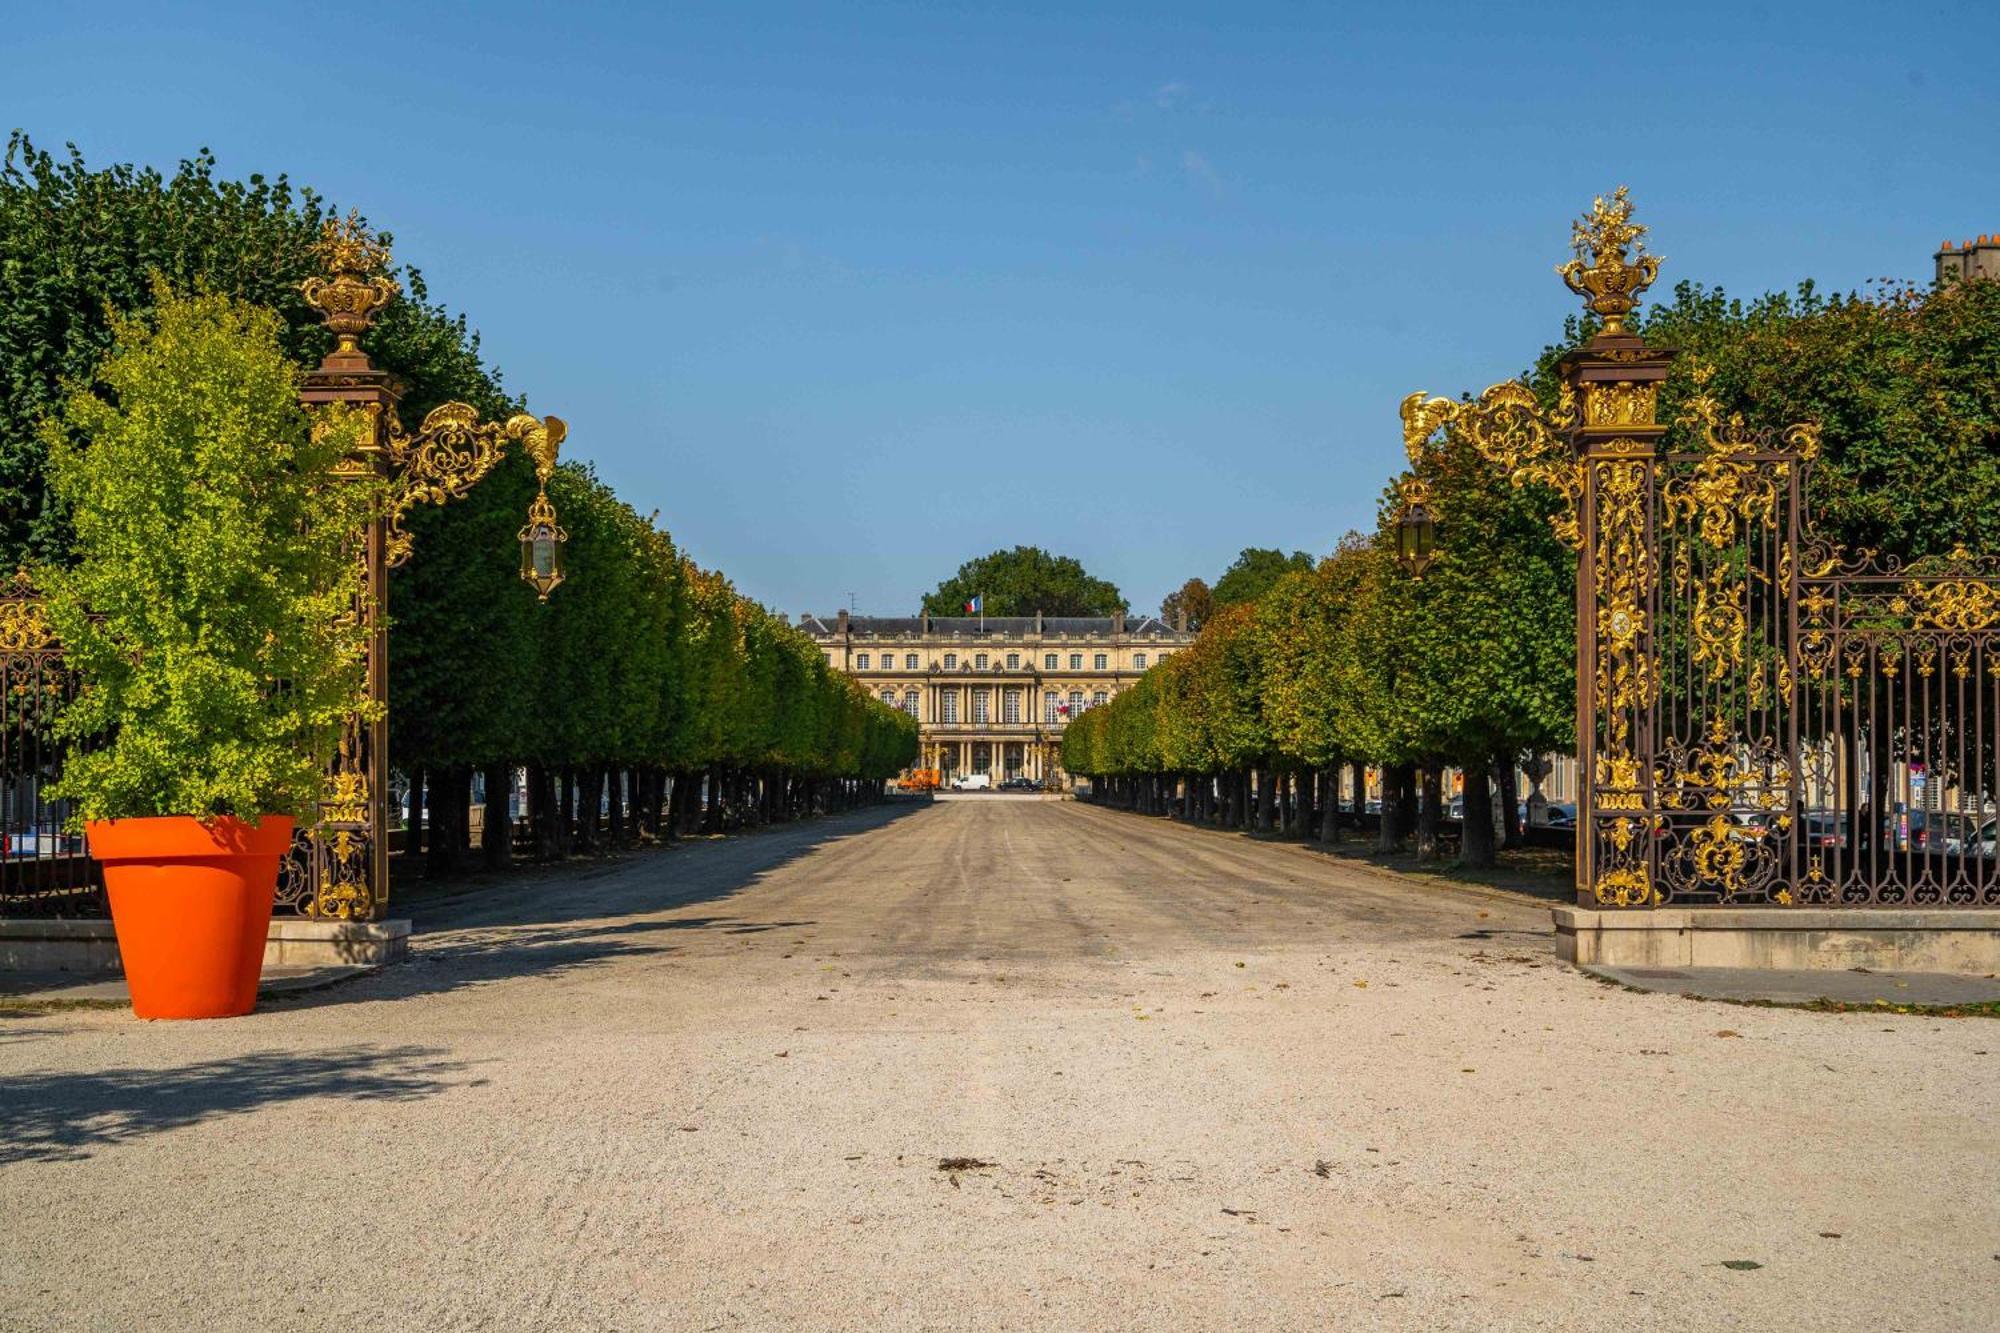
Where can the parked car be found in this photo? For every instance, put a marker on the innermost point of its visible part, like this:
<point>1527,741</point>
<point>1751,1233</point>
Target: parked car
<point>1019,784</point>
<point>1823,828</point>
<point>1559,814</point>
<point>1973,841</point>
<point>38,843</point>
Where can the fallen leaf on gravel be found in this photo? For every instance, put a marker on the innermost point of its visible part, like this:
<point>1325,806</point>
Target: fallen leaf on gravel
<point>1829,1235</point>
<point>1323,1169</point>
<point>1727,1032</point>
<point>962,1164</point>
<point>1241,1212</point>
<point>1741,1265</point>
<point>783,1054</point>
<point>1239,965</point>
<point>1361,985</point>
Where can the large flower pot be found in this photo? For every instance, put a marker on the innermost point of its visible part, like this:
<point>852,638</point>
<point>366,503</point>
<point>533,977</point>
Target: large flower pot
<point>191,903</point>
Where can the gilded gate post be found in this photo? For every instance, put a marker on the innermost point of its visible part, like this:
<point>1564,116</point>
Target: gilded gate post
<point>340,864</point>
<point>1615,435</point>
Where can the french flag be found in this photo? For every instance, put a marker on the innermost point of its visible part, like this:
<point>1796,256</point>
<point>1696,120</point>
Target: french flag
<point>975,607</point>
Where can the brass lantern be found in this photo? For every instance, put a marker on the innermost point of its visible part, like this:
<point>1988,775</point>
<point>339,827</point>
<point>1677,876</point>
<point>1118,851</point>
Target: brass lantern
<point>542,538</point>
<point>1416,530</point>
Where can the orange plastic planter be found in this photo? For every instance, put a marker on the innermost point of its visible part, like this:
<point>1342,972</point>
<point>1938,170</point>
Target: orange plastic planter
<point>191,903</point>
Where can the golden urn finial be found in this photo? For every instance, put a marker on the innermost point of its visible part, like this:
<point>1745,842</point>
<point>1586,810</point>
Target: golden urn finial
<point>1601,273</point>
<point>355,285</point>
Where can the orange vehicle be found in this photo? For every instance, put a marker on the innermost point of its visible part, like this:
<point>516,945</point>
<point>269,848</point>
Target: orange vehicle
<point>919,779</point>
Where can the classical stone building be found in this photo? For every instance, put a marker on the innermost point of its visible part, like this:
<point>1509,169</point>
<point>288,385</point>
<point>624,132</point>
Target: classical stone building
<point>992,695</point>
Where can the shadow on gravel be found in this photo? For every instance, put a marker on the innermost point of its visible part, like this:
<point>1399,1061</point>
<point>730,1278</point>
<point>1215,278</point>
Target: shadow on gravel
<point>662,879</point>
<point>68,1116</point>
<point>557,923</point>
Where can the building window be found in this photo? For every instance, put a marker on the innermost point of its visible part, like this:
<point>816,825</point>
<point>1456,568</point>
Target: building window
<point>950,706</point>
<point>1013,661</point>
<point>1138,661</point>
<point>1099,662</point>
<point>1075,702</point>
<point>1010,707</point>
<point>1051,707</point>
<point>910,702</point>
<point>1099,699</point>
<point>889,696</point>
<point>1076,661</point>
<point>979,662</point>
<point>861,661</point>
<point>1048,661</point>
<point>909,661</point>
<point>1164,655</point>
<point>982,705</point>
<point>951,661</point>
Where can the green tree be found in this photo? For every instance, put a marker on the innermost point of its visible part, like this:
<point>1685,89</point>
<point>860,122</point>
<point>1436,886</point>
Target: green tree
<point>1023,581</point>
<point>1253,573</point>
<point>209,610</point>
<point>1904,382</point>
<point>1193,600</point>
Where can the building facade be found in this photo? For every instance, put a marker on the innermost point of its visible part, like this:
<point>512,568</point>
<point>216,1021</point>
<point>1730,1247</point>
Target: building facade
<point>992,694</point>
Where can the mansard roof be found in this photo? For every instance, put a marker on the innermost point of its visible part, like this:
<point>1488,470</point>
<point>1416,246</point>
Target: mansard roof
<point>906,627</point>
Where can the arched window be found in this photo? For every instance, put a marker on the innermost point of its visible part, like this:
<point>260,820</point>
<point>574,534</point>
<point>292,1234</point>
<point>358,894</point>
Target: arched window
<point>889,697</point>
<point>910,702</point>
<point>1075,702</point>
<point>1099,699</point>
<point>1051,702</point>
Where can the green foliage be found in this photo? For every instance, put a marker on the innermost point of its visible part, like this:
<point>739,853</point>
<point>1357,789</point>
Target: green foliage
<point>1023,581</point>
<point>1905,384</point>
<point>79,247</point>
<point>1193,600</point>
<point>209,611</point>
<point>1254,573</point>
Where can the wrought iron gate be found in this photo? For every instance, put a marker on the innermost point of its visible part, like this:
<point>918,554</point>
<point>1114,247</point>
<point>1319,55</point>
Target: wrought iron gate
<point>1762,718</point>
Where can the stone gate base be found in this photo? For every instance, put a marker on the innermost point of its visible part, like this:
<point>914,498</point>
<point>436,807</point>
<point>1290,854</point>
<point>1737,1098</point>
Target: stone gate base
<point>31,945</point>
<point>1890,939</point>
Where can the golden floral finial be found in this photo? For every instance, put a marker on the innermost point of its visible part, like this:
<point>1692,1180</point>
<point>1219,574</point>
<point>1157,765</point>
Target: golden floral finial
<point>1601,273</point>
<point>355,285</point>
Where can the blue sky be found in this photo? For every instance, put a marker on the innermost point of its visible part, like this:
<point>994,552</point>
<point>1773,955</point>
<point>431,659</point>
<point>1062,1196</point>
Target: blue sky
<point>852,292</point>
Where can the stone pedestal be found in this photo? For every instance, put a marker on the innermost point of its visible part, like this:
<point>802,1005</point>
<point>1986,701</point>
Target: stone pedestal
<point>37,945</point>
<point>1889,939</point>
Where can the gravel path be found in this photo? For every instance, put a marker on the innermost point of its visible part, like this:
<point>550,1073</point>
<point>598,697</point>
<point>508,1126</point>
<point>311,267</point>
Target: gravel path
<point>1198,1083</point>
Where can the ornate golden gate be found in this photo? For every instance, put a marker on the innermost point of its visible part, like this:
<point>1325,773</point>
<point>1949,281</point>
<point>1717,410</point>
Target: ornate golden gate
<point>339,865</point>
<point>1762,718</point>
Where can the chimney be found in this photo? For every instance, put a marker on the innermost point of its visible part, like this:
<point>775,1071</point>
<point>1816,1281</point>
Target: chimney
<point>1180,622</point>
<point>1117,623</point>
<point>927,623</point>
<point>1038,624</point>
<point>840,624</point>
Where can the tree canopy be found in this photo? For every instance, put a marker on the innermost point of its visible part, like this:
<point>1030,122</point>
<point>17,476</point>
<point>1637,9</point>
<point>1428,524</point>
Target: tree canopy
<point>1254,572</point>
<point>1023,581</point>
<point>1193,600</point>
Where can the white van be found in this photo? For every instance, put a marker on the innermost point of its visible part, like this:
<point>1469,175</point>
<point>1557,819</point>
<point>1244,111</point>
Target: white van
<point>972,782</point>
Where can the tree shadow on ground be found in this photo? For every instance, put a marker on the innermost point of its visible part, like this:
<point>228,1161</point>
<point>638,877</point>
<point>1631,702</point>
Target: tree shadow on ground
<point>67,1116</point>
<point>658,880</point>
<point>555,923</point>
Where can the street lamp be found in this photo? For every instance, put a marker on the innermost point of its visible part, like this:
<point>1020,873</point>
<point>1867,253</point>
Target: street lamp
<point>542,538</point>
<point>1416,529</point>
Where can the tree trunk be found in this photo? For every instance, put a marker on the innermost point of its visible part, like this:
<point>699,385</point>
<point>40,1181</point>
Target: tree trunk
<point>1329,804</point>
<point>413,825</point>
<point>1475,830</point>
<point>496,838</point>
<point>1430,812</point>
<point>1389,827</point>
<point>1510,800</point>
